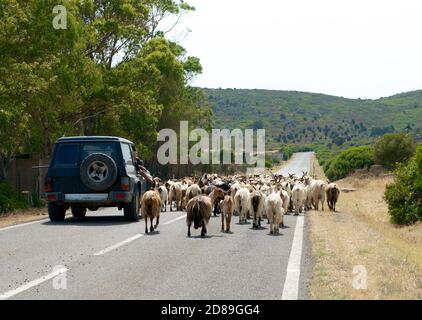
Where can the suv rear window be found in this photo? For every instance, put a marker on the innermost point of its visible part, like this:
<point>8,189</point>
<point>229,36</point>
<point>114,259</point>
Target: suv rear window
<point>66,154</point>
<point>108,148</point>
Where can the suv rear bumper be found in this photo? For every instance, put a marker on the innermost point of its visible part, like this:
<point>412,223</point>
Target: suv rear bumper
<point>91,198</point>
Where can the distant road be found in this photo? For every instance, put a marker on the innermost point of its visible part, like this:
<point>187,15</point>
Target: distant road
<point>104,257</point>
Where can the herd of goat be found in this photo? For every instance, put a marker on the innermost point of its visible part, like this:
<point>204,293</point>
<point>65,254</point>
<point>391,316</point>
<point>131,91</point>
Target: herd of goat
<point>258,197</point>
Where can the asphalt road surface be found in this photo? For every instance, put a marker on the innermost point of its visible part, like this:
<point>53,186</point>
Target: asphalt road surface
<point>104,257</point>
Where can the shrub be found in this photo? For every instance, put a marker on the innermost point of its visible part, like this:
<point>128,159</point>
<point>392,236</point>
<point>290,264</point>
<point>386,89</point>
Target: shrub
<point>404,195</point>
<point>393,148</point>
<point>348,161</point>
<point>10,199</point>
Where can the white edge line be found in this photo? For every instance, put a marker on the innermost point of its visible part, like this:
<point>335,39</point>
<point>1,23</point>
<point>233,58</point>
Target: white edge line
<point>23,224</point>
<point>291,284</point>
<point>33,283</point>
<point>174,220</point>
<point>117,245</point>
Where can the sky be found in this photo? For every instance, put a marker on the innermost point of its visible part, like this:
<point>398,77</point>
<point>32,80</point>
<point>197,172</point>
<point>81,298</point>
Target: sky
<point>349,48</point>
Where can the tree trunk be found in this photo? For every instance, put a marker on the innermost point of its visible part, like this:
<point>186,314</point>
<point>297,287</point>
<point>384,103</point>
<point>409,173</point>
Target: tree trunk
<point>5,163</point>
<point>3,171</point>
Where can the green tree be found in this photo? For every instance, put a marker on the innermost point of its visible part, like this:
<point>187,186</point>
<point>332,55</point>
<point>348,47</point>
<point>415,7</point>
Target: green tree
<point>404,195</point>
<point>393,148</point>
<point>348,161</point>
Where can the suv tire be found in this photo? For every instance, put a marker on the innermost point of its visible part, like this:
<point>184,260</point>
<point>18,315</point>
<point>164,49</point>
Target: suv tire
<point>131,209</point>
<point>98,172</point>
<point>78,212</point>
<point>56,212</point>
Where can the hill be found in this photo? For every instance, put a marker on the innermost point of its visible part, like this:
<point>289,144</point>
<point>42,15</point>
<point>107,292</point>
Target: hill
<point>324,123</point>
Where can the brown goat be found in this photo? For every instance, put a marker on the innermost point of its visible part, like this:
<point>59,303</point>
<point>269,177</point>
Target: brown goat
<point>198,212</point>
<point>151,208</point>
<point>226,207</point>
<point>333,193</point>
<point>216,196</point>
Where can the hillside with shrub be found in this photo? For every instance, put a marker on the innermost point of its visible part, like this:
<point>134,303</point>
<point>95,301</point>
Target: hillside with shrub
<point>348,161</point>
<point>327,124</point>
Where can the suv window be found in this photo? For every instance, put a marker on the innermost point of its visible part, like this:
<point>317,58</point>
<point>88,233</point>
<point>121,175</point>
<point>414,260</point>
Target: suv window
<point>127,157</point>
<point>66,154</point>
<point>108,148</point>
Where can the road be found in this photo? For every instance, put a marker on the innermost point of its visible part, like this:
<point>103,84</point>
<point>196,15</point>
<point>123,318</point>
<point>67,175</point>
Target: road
<point>104,257</point>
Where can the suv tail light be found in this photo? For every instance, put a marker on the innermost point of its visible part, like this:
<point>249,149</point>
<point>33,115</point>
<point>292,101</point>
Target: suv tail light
<point>48,187</point>
<point>124,184</point>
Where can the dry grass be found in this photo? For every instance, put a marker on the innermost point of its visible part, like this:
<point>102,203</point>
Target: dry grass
<point>22,216</point>
<point>360,234</point>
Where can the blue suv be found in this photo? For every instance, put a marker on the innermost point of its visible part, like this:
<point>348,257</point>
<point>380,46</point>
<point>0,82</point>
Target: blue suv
<point>90,172</point>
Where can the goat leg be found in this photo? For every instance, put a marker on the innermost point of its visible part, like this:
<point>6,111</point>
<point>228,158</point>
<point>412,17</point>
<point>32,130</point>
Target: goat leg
<point>151,229</point>
<point>203,231</point>
<point>157,222</point>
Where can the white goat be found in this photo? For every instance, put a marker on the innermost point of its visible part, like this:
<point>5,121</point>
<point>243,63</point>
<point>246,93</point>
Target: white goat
<point>241,204</point>
<point>164,197</point>
<point>275,212</point>
<point>298,198</point>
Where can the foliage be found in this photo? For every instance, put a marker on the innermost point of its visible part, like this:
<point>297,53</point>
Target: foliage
<point>404,195</point>
<point>111,72</point>
<point>348,161</point>
<point>393,148</point>
<point>10,199</point>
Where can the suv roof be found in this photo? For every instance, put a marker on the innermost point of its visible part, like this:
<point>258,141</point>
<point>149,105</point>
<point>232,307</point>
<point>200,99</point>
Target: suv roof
<point>93,138</point>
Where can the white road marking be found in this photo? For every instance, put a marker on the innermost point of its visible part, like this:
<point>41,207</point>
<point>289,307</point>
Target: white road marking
<point>291,284</point>
<point>33,283</point>
<point>23,224</point>
<point>117,245</point>
<point>174,220</point>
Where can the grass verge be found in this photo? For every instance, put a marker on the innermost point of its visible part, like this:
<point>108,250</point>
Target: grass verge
<point>360,234</point>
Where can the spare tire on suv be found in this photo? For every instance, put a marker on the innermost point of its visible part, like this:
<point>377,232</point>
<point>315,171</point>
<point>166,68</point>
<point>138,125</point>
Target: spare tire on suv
<point>98,171</point>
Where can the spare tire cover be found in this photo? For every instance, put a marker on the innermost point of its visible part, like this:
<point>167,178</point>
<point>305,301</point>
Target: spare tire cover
<point>98,171</point>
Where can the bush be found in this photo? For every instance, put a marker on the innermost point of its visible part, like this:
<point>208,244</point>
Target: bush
<point>37,201</point>
<point>10,199</point>
<point>404,195</point>
<point>348,161</point>
<point>393,148</point>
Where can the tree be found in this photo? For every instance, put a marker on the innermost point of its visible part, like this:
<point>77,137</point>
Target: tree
<point>393,148</point>
<point>404,195</point>
<point>110,72</point>
<point>44,77</point>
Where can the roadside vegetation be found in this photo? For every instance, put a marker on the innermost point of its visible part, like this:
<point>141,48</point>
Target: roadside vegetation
<point>404,195</point>
<point>360,234</point>
<point>388,151</point>
<point>392,149</point>
<point>10,199</point>
<point>348,161</point>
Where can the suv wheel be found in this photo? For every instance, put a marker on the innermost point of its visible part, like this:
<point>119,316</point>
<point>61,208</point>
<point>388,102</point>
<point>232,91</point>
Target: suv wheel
<point>78,212</point>
<point>56,212</point>
<point>98,171</point>
<point>131,209</point>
